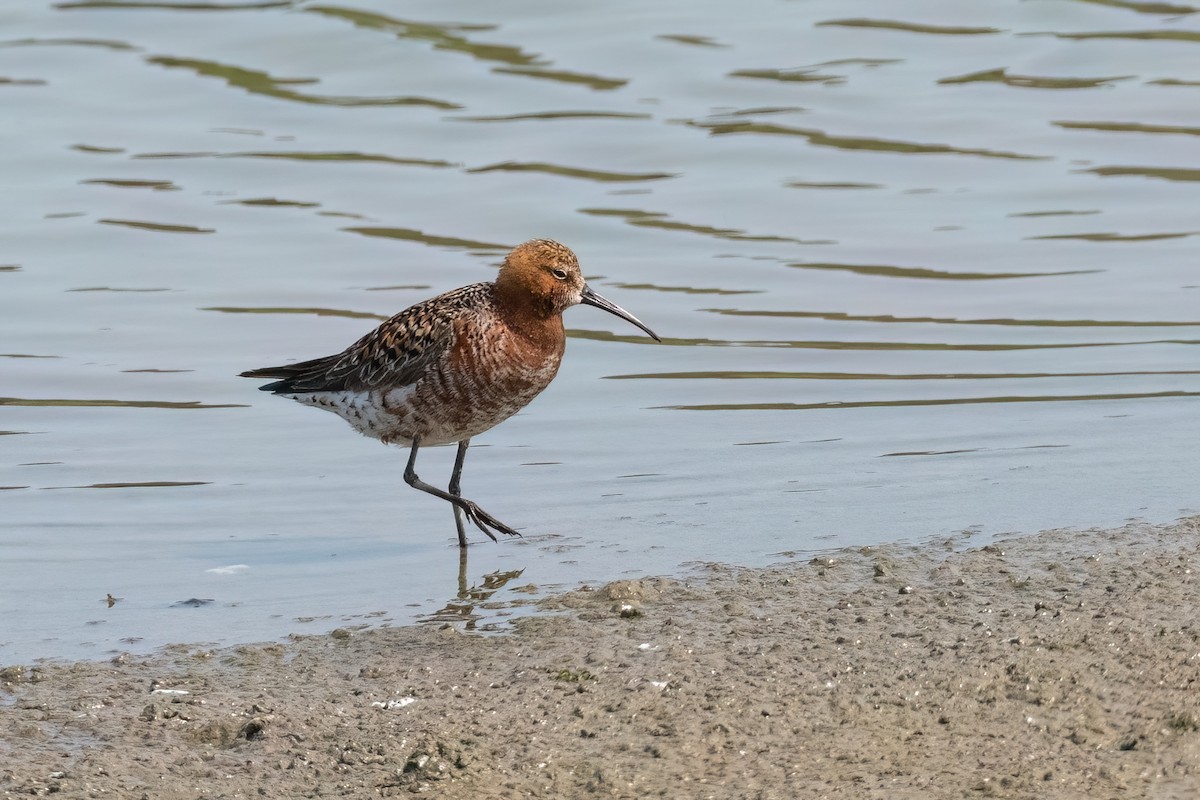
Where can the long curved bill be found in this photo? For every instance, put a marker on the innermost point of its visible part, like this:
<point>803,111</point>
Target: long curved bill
<point>591,298</point>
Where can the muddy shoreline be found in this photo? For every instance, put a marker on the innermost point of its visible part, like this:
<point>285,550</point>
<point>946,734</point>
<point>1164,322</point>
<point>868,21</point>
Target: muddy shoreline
<point>1063,665</point>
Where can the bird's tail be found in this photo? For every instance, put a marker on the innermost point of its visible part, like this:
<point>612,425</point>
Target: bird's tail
<point>289,374</point>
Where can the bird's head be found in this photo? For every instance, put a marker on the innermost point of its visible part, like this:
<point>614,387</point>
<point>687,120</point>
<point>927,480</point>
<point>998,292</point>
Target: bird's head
<point>544,276</point>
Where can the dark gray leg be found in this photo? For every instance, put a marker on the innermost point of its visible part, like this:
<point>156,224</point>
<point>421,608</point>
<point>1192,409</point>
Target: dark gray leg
<point>483,520</point>
<point>456,489</point>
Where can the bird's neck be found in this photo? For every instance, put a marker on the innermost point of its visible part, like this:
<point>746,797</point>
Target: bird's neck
<point>534,319</point>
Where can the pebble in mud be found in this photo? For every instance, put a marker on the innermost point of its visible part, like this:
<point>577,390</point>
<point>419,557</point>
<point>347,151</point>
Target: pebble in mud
<point>631,591</point>
<point>629,610</point>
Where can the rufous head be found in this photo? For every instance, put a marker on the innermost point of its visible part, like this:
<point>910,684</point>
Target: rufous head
<point>544,277</point>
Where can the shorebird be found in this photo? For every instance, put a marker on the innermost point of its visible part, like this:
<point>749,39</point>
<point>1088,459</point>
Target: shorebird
<point>452,367</point>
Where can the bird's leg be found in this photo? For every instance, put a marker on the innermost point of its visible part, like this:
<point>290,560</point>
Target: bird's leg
<point>483,520</point>
<point>462,574</point>
<point>456,489</point>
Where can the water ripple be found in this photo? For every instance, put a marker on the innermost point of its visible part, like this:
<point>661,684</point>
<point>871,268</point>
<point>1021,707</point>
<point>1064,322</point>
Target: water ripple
<point>444,37</point>
<point>262,83</point>
<point>947,401</point>
<point>1145,8</point>
<point>602,176</point>
<point>412,235</point>
<point>833,185</point>
<point>661,220</point>
<point>1128,127</point>
<point>1166,36</point>
<point>555,115</point>
<point>449,37</point>
<point>252,5</point>
<point>160,227</point>
<point>67,403</point>
<point>90,148</point>
<point>130,183</point>
<point>888,318</point>
<point>134,485</point>
<point>336,156</point>
<point>1117,237</point>
<point>119,289</point>
<point>1034,81</point>
<point>316,312</point>
<point>108,44</point>
<point>1065,212</point>
<point>910,27</point>
<point>983,347</point>
<point>1162,173</point>
<point>695,41</point>
<point>885,376</point>
<point>925,273</point>
<point>798,75</point>
<point>310,156</point>
<point>820,138</point>
<point>683,289</point>
<point>597,82</point>
<point>271,202</point>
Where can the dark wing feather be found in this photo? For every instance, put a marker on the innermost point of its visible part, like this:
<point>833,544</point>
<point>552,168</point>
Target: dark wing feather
<point>394,354</point>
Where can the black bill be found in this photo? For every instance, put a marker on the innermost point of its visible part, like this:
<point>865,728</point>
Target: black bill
<point>592,299</point>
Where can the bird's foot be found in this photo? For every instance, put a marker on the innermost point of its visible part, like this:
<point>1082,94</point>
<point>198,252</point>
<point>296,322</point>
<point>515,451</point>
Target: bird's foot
<point>483,520</point>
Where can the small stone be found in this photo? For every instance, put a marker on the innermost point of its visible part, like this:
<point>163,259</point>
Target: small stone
<point>253,729</point>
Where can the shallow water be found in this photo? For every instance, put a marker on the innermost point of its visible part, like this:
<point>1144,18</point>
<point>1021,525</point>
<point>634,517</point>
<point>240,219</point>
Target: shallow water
<point>920,268</point>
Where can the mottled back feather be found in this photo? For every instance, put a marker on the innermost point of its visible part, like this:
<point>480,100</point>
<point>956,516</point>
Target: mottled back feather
<point>395,354</point>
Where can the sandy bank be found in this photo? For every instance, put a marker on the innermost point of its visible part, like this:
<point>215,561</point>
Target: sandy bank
<point>1059,665</point>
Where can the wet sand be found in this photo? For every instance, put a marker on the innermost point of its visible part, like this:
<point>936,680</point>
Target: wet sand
<point>1061,665</point>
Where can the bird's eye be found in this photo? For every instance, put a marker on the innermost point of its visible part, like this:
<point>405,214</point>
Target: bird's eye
<point>561,274</point>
